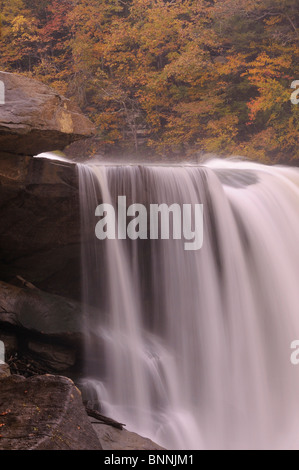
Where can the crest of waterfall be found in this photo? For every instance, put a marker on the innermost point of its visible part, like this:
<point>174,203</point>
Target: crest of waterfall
<point>192,349</point>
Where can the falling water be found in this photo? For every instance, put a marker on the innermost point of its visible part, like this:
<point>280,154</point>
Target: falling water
<point>192,349</point>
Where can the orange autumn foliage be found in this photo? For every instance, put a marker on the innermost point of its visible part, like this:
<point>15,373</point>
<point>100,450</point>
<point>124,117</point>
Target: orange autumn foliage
<point>169,75</point>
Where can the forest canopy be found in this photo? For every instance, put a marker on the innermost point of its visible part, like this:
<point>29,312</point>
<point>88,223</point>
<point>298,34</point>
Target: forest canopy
<point>167,75</point>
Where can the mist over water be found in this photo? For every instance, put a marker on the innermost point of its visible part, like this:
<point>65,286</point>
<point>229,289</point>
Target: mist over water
<point>192,349</point>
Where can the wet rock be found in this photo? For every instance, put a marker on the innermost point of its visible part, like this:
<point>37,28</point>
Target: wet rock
<point>56,357</point>
<point>39,311</point>
<point>115,439</point>
<point>40,224</point>
<point>44,413</point>
<point>44,333</point>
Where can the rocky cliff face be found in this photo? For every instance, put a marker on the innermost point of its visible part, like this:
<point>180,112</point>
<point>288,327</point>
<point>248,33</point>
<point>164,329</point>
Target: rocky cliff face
<point>40,223</point>
<point>39,206</point>
<point>34,118</point>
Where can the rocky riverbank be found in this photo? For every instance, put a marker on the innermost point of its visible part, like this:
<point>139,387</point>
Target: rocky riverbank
<point>47,413</point>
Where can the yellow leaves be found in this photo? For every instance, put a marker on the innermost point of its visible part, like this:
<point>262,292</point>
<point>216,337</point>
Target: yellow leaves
<point>21,27</point>
<point>269,74</point>
<point>273,20</point>
<point>265,66</point>
<point>228,64</point>
<point>19,24</point>
<point>198,109</point>
<point>272,96</point>
<point>221,134</point>
<point>60,86</point>
<point>214,75</point>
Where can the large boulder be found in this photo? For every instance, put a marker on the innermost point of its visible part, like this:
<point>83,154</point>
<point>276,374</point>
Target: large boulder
<point>41,332</point>
<point>35,118</point>
<point>44,413</point>
<point>39,311</point>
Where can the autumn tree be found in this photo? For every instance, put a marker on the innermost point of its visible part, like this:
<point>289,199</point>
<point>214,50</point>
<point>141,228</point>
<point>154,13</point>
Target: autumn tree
<point>168,75</point>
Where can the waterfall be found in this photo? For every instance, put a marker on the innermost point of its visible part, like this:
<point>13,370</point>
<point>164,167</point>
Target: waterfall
<point>192,348</point>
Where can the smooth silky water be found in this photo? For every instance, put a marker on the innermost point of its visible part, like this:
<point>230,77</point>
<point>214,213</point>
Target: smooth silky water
<point>192,349</point>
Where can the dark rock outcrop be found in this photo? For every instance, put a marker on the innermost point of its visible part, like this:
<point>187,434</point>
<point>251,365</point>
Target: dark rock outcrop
<point>44,333</point>
<point>44,413</point>
<point>57,357</point>
<point>39,200</point>
<point>39,311</point>
<point>40,238</point>
<point>35,118</point>
<point>41,332</point>
<point>40,224</point>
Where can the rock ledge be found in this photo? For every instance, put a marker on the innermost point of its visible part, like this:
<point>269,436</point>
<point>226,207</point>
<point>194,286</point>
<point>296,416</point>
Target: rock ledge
<point>36,119</point>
